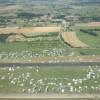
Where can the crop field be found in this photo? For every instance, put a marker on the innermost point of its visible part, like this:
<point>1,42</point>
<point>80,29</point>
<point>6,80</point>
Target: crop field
<point>88,33</point>
<point>91,24</point>
<point>49,47</point>
<point>39,45</point>
<point>29,30</point>
<point>7,8</point>
<point>48,43</point>
<point>92,33</point>
<point>35,79</point>
<point>71,39</point>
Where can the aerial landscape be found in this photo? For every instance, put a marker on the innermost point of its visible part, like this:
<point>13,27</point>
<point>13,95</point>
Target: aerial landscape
<point>50,48</point>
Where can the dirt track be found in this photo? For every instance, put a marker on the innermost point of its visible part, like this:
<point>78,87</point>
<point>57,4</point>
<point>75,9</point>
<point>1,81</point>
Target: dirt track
<point>54,61</point>
<point>52,96</point>
<point>71,39</point>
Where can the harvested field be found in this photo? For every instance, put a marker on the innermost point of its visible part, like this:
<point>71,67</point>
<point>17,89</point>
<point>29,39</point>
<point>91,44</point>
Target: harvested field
<point>29,30</point>
<point>95,24</point>
<point>75,59</point>
<point>7,8</point>
<point>71,39</point>
<point>66,59</point>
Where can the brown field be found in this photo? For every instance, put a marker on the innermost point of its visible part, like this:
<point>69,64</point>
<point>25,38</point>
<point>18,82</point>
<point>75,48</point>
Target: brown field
<point>71,39</point>
<point>66,59</point>
<point>7,9</point>
<point>93,24</point>
<point>89,24</point>
<point>55,59</point>
<point>8,30</point>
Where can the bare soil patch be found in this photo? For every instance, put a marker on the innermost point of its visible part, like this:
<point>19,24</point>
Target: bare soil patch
<point>71,39</point>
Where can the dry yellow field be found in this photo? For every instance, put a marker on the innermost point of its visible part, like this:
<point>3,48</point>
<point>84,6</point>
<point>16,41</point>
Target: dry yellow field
<point>94,24</point>
<point>66,59</point>
<point>7,8</point>
<point>27,30</point>
<point>72,39</point>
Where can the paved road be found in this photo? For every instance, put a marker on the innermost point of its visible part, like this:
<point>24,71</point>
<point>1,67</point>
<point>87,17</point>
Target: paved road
<point>60,64</point>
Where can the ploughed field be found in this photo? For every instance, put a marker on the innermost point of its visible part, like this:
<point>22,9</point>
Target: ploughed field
<point>45,80</point>
<point>27,30</point>
<point>91,24</point>
<point>71,39</point>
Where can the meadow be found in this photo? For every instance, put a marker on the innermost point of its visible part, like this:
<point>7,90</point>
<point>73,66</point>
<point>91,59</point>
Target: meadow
<point>49,80</point>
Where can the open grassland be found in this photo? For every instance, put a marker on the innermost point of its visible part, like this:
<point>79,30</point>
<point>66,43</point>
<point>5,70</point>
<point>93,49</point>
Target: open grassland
<point>27,50</point>
<point>45,80</point>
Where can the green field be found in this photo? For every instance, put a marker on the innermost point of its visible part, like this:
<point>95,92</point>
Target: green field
<point>70,15</point>
<point>92,41</point>
<point>41,45</point>
<point>88,38</point>
<point>29,14</point>
<point>34,80</point>
<point>50,44</point>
